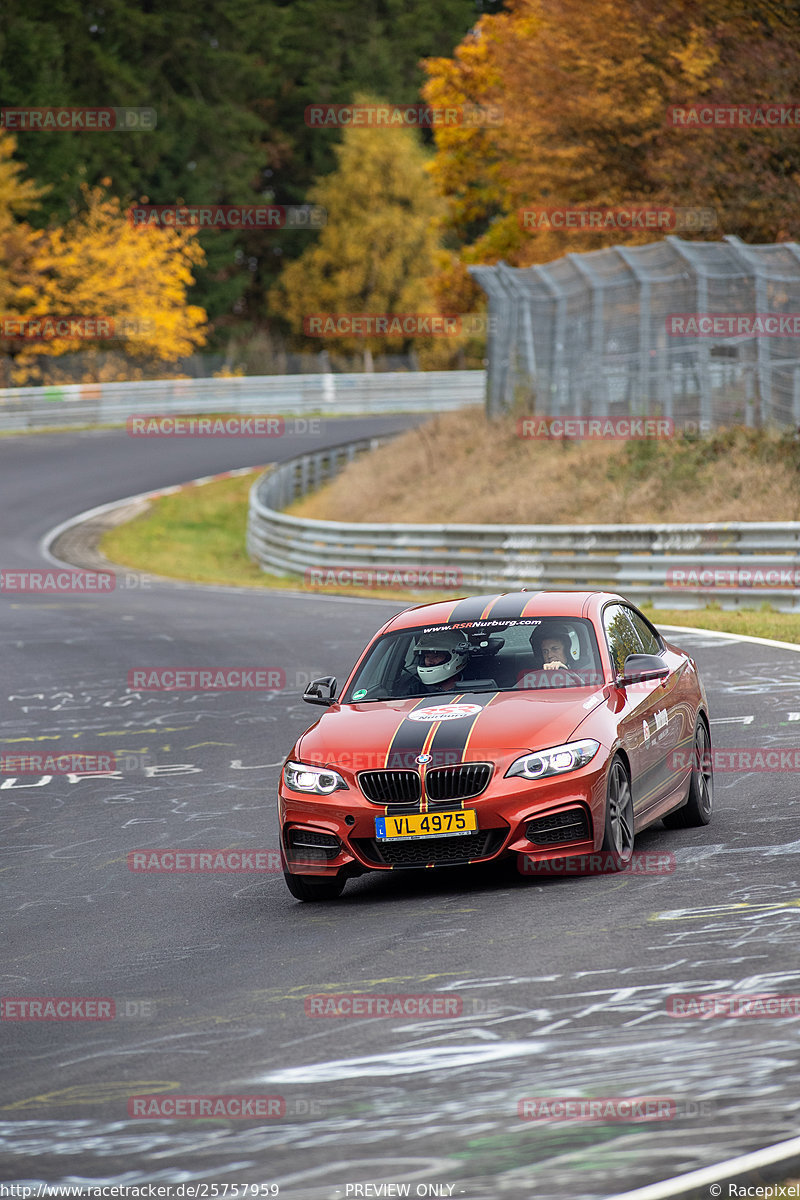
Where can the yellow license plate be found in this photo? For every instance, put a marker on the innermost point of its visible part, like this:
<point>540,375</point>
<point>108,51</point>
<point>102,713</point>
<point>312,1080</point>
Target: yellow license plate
<point>425,825</point>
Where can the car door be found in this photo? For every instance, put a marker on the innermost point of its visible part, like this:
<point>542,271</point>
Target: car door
<point>644,722</point>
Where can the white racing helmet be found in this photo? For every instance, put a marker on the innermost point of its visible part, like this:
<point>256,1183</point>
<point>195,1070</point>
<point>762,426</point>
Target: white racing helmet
<point>445,641</point>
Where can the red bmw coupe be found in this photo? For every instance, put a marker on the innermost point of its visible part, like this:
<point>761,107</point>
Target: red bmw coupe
<point>528,724</point>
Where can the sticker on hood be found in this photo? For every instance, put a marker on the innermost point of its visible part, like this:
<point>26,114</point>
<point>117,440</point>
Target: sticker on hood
<point>444,712</point>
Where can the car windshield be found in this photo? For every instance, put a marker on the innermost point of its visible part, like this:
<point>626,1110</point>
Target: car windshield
<point>479,656</point>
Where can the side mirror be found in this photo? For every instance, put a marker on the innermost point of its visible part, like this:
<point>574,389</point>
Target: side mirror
<point>639,667</point>
<point>321,691</point>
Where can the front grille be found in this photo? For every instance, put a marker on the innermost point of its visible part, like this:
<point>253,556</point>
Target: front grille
<point>311,845</point>
<point>569,826</point>
<point>458,783</point>
<point>390,787</point>
<point>440,852</point>
<point>442,784</point>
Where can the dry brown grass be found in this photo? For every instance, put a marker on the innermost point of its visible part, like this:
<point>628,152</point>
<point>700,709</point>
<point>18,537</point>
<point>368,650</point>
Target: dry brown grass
<point>459,467</point>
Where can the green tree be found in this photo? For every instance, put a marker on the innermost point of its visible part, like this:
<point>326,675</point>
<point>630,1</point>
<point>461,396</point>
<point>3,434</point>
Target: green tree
<point>230,81</point>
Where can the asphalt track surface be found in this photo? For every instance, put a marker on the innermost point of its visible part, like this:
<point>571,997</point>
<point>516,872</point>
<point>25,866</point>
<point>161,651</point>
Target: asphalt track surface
<point>564,982</point>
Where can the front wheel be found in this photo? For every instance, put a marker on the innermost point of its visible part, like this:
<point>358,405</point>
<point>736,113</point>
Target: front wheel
<point>618,837</point>
<point>314,887</point>
<point>697,809</point>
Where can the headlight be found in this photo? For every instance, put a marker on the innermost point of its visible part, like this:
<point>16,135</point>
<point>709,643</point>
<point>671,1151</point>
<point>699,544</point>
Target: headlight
<point>321,780</point>
<point>555,761</point>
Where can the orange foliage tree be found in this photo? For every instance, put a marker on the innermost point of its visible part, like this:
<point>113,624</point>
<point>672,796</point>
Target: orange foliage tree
<point>585,87</point>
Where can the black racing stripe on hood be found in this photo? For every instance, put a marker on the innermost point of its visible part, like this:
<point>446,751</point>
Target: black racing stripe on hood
<point>472,608</point>
<point>450,739</point>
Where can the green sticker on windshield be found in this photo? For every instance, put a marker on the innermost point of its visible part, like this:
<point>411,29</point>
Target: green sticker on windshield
<point>359,694</point>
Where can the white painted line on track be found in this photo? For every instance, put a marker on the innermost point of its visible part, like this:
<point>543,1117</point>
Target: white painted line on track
<point>680,1185</point>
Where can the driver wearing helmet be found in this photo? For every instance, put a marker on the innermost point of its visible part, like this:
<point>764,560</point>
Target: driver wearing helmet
<point>439,658</point>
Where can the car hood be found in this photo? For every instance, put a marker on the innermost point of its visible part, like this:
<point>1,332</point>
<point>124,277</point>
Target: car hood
<point>474,726</point>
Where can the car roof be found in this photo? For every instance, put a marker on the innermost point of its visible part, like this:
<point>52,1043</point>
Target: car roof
<point>501,606</point>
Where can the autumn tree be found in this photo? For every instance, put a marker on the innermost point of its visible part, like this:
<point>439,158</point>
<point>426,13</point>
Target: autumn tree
<point>585,87</point>
<point>377,249</point>
<point>99,267</point>
<point>18,197</point>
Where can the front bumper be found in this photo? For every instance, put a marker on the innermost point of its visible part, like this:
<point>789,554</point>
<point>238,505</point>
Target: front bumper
<point>542,819</point>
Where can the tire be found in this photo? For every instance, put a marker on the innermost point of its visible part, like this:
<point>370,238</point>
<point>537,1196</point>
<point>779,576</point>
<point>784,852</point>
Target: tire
<point>314,887</point>
<point>618,837</point>
<point>699,806</point>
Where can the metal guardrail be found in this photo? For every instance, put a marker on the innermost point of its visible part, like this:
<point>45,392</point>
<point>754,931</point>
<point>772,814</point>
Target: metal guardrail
<point>638,561</point>
<point>329,394</point>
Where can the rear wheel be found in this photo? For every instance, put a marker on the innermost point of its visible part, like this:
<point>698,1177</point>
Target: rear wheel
<point>314,887</point>
<point>618,838</point>
<point>697,809</point>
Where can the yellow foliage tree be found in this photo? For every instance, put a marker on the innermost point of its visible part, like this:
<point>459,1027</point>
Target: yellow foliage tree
<point>17,197</point>
<point>376,251</point>
<point>132,280</point>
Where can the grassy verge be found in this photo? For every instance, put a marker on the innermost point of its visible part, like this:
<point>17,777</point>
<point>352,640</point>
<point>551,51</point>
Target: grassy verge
<point>198,534</point>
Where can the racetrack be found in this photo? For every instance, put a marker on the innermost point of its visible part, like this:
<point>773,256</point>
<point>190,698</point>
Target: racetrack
<point>564,982</point>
